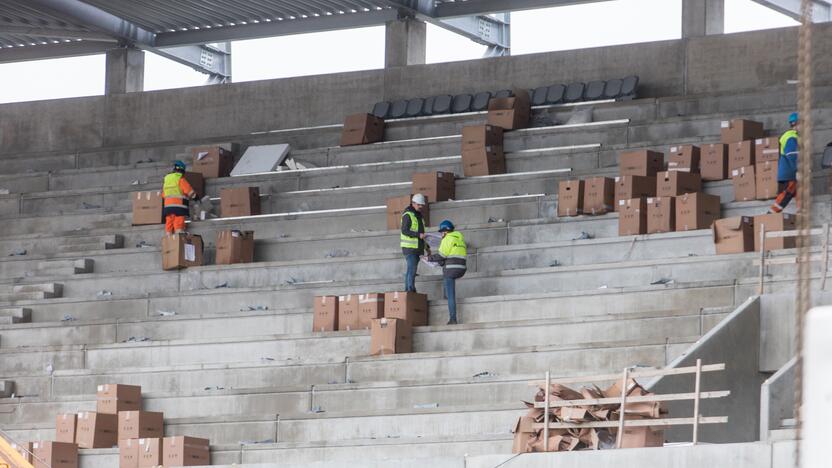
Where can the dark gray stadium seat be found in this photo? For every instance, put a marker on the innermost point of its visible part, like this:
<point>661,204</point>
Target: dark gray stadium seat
<point>629,87</point>
<point>461,103</point>
<point>574,92</point>
<point>480,102</point>
<point>381,109</point>
<point>398,109</point>
<point>594,90</point>
<point>414,107</point>
<point>554,94</point>
<point>442,104</point>
<point>613,88</point>
<point>826,159</point>
<point>427,107</point>
<point>539,96</point>
<point>503,93</point>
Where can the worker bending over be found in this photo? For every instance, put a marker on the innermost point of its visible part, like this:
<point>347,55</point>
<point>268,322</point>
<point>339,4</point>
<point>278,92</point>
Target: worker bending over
<point>787,165</point>
<point>413,239</point>
<point>177,191</point>
<point>452,256</point>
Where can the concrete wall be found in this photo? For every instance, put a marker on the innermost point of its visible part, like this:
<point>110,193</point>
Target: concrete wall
<point>669,68</point>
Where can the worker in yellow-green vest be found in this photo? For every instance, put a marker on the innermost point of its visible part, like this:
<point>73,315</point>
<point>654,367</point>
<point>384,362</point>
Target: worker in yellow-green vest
<point>176,192</point>
<point>787,165</point>
<point>413,239</point>
<point>453,254</point>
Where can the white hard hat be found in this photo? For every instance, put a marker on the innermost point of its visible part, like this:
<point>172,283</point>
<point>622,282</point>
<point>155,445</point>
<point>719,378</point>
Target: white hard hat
<point>419,199</point>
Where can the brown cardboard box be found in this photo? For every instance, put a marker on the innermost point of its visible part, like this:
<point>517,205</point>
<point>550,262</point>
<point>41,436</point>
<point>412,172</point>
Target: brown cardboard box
<point>740,130</point>
<point>510,113</point>
<point>128,453</point>
<point>734,235</point>
<point>96,430</point>
<point>49,454</point>
<point>642,436</point>
<point>684,158</point>
<point>212,161</point>
<point>714,162</point>
<point>348,312</point>
<point>523,433</point>
<point>197,182</point>
<point>151,452</point>
<point>599,195</point>
<point>240,201</point>
<point>629,187</point>
<point>65,428</point>
<point>395,210</point>
<point>112,398</point>
<point>437,185</point>
<point>140,424</point>
<point>696,211</point>
<point>774,222</point>
<point>767,149</point>
<point>745,184</point>
<point>409,306</point>
<point>765,174</point>
<point>147,208</point>
<point>632,217</point>
<point>185,451</point>
<point>641,163</point>
<point>25,450</point>
<point>661,214</point>
<point>325,314</point>
<point>362,129</point>
<point>675,183</point>
<point>740,154</point>
<point>234,247</point>
<point>390,336</point>
<point>477,137</point>
<point>482,162</point>
<point>181,251</point>
<point>370,307</point>
<point>570,197</point>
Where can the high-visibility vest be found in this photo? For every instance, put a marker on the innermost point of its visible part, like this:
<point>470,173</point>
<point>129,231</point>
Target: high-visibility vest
<point>454,250</point>
<point>785,137</point>
<point>408,242</point>
<point>172,192</point>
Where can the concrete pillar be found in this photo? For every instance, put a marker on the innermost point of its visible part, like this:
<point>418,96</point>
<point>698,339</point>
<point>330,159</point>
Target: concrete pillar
<point>405,43</point>
<point>703,17</point>
<point>124,71</point>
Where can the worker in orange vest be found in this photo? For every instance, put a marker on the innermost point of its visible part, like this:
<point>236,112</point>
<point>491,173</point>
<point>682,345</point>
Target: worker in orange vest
<point>177,191</point>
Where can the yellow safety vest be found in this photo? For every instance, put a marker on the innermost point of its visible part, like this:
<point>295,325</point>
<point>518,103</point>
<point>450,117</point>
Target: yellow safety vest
<point>785,137</point>
<point>408,242</point>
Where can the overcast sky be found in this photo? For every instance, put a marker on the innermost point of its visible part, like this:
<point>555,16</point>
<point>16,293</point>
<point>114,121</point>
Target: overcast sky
<point>562,28</point>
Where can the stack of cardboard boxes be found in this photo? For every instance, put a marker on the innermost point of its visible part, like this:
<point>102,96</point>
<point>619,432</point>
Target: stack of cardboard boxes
<point>482,145</point>
<point>436,186</point>
<point>186,250</point>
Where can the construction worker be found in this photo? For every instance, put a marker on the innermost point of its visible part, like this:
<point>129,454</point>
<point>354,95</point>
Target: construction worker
<point>176,192</point>
<point>787,165</point>
<point>453,258</point>
<point>413,239</point>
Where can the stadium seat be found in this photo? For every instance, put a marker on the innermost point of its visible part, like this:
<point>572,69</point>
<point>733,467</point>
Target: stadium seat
<point>442,104</point>
<point>503,93</point>
<point>427,106</point>
<point>398,109</point>
<point>480,101</point>
<point>414,107</point>
<point>539,96</point>
<point>826,160</point>
<point>381,109</point>
<point>554,94</point>
<point>613,88</point>
<point>594,90</point>
<point>461,103</point>
<point>574,92</point>
<point>629,87</point>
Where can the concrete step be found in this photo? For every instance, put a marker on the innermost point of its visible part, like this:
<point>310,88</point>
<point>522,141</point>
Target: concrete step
<point>65,267</point>
<point>15,315</point>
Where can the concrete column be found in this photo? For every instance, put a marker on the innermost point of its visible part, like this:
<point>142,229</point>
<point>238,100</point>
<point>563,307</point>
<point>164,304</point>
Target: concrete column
<point>405,43</point>
<point>703,17</point>
<point>124,71</point>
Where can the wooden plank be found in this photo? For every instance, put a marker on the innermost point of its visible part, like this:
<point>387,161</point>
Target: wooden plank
<point>696,390</point>
<point>789,260</point>
<point>634,374</point>
<point>546,414</point>
<point>633,399</point>
<point>622,412</point>
<point>780,234</point>
<point>761,284</point>
<point>636,423</point>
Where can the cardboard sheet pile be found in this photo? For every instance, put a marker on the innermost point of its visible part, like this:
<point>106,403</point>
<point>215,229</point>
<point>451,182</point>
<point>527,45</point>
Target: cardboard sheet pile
<point>527,439</point>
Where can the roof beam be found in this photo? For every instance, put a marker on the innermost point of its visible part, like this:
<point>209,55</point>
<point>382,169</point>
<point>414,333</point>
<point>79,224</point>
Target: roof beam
<point>214,61</point>
<point>51,51</point>
<point>57,33</point>
<point>821,11</point>
<point>98,19</point>
<point>483,7</point>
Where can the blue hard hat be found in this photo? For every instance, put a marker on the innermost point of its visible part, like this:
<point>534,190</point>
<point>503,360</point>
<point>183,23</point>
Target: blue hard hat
<point>179,165</point>
<point>793,118</point>
<point>445,226</point>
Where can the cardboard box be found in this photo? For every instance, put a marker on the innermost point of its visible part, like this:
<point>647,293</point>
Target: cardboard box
<point>661,214</point>
<point>643,436</point>
<point>684,158</point>
<point>395,210</point>
<point>745,184</point>
<point>523,433</point>
<point>409,306</point>
<point>65,427</point>
<point>734,235</point>
<point>181,251</point>
<point>325,314</point>
<point>234,247</point>
<point>96,430</point>
<point>362,129</point>
<point>570,198</point>
<point>599,195</point>
<point>390,336</point>
<point>775,222</point>
<point>675,183</point>
<point>766,149</point>
<point>714,162</point>
<point>477,137</point>
<point>640,163</point>
<point>740,154</point>
<point>696,211</point>
<point>348,312</point>
<point>112,398</point>
<point>151,452</point>
<point>510,113</point>
<point>25,450</point>
<point>370,307</point>
<point>185,451</point>
<point>197,182</point>
<point>240,201</point>
<point>147,208</point>
<point>482,162</point>
<point>437,185</point>
<point>629,187</point>
<point>49,454</point>
<point>128,453</point>
<point>632,217</point>
<point>740,130</point>
<point>140,424</point>
<point>212,161</point>
<point>765,175</point>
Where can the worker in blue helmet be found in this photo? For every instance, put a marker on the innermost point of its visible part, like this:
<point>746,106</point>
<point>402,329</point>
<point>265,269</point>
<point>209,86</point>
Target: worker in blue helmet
<point>787,165</point>
<point>452,256</point>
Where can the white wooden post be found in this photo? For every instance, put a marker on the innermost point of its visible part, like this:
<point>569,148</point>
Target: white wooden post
<point>546,415</point>
<point>620,437</point>
<point>696,395</point>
